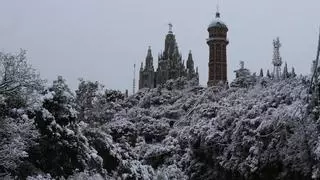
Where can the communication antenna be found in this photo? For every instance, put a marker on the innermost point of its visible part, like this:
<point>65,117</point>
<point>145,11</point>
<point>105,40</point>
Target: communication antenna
<point>134,79</point>
<point>315,76</point>
<point>277,60</point>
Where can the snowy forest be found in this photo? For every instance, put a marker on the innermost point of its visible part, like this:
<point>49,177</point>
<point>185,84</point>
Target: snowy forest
<point>256,128</point>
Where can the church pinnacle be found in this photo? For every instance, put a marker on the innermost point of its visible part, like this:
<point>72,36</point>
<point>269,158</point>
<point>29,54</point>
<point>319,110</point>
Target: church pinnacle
<point>190,63</point>
<point>149,59</point>
<point>170,28</point>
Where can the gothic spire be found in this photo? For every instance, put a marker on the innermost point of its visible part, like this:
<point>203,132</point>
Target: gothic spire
<point>190,56</point>
<point>170,28</point>
<point>190,63</point>
<point>149,59</point>
<point>170,43</point>
<point>149,53</point>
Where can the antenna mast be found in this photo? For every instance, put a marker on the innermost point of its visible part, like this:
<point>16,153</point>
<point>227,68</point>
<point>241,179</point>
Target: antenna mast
<point>315,77</point>
<point>134,79</point>
<point>277,60</point>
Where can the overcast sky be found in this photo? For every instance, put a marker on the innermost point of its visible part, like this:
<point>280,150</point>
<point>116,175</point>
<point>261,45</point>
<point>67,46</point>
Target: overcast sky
<point>102,39</point>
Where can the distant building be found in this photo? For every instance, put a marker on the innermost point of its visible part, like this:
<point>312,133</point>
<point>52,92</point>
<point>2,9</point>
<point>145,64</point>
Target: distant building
<point>217,42</point>
<point>170,65</point>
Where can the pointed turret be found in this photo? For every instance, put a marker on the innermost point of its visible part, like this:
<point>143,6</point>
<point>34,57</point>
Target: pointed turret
<point>149,60</point>
<point>170,44</point>
<point>146,79</point>
<point>293,73</point>
<point>190,66</point>
<point>170,28</point>
<point>190,63</point>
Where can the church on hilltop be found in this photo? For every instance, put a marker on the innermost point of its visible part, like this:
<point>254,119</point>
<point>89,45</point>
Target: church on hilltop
<point>170,65</point>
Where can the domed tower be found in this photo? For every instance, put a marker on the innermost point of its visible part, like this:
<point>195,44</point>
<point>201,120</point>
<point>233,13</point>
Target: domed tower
<point>217,42</point>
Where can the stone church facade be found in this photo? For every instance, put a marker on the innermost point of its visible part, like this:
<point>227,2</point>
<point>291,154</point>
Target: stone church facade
<point>170,65</point>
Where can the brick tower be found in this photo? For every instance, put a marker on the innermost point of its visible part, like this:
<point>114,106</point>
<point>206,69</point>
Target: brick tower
<point>217,42</point>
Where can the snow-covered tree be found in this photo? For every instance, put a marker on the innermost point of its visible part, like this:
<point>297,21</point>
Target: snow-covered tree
<point>176,131</point>
<point>62,148</point>
<point>17,134</point>
<point>18,78</point>
<point>60,102</point>
<point>88,95</point>
<point>243,78</point>
<point>113,95</point>
<point>19,95</point>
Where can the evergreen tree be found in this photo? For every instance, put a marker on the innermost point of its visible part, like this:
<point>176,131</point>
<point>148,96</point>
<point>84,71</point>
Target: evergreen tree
<point>268,74</point>
<point>285,73</point>
<point>243,77</point>
<point>87,95</point>
<point>261,72</point>
<point>60,102</point>
<point>113,95</point>
<point>62,147</point>
<point>293,73</point>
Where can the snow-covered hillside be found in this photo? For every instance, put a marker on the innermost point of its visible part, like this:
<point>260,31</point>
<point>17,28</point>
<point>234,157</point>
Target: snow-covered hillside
<point>263,132</point>
<point>177,131</point>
